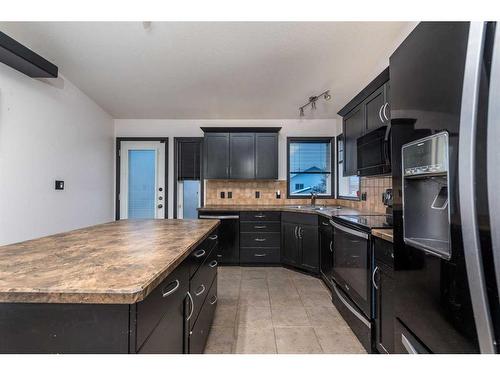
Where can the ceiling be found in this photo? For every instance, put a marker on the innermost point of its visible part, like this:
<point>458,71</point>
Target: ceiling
<point>214,70</point>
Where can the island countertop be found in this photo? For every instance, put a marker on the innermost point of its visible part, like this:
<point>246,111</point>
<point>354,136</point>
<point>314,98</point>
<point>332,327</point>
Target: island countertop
<point>114,263</point>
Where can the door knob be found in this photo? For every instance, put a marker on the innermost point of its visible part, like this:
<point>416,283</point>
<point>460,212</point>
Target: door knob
<point>160,206</point>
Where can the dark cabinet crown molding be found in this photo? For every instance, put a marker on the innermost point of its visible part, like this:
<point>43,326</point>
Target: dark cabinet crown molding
<point>367,91</point>
<point>21,58</point>
<point>241,130</point>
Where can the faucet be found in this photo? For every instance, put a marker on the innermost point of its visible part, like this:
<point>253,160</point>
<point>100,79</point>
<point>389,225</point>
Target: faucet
<point>313,199</point>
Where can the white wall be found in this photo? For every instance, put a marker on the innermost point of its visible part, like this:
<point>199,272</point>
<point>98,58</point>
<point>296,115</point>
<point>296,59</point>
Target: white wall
<point>52,131</point>
<point>191,128</point>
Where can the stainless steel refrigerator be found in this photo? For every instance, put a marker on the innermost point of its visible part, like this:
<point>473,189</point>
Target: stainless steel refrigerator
<point>445,123</point>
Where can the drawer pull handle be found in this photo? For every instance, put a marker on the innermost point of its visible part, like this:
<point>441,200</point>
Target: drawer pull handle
<point>214,237</point>
<point>331,243</point>
<point>191,310</point>
<point>219,255</point>
<point>260,216</point>
<point>260,239</point>
<point>200,253</point>
<point>325,223</point>
<point>214,300</point>
<point>260,226</point>
<point>259,255</point>
<point>200,292</point>
<point>213,263</point>
<point>172,290</point>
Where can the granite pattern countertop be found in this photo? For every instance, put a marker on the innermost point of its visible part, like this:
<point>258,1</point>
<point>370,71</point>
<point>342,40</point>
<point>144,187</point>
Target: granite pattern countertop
<point>385,234</point>
<point>115,263</point>
<point>327,211</point>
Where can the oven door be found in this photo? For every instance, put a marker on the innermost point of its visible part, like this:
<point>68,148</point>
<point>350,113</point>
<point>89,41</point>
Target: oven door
<point>352,264</point>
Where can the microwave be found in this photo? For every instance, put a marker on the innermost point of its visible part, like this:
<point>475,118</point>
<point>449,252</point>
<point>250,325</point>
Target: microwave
<point>374,152</point>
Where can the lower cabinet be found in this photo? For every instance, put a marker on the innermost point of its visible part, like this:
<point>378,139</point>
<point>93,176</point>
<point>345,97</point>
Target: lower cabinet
<point>198,335</point>
<point>326,250</point>
<point>300,246</point>
<point>384,296</point>
<point>260,238</point>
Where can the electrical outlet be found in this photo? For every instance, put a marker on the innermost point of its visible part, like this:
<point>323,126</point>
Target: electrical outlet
<point>363,196</point>
<point>229,195</point>
<point>222,195</point>
<point>59,185</point>
<point>257,194</point>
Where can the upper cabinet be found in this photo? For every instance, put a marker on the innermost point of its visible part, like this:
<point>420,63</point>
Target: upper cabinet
<point>241,153</point>
<point>369,110</point>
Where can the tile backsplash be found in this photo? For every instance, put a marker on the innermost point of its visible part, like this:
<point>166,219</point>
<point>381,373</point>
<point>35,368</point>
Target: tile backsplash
<point>244,193</point>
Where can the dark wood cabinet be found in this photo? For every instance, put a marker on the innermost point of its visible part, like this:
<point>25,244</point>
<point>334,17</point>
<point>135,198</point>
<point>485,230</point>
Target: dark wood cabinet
<point>367,111</point>
<point>326,250</point>
<point>353,128</point>
<point>260,237</point>
<point>216,155</point>
<point>384,285</point>
<point>242,156</point>
<point>266,156</point>
<point>241,153</point>
<point>300,241</point>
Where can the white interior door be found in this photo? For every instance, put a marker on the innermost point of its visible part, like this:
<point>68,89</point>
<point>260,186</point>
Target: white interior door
<point>142,180</point>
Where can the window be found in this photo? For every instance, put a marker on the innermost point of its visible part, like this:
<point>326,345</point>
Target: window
<point>309,167</point>
<point>347,187</point>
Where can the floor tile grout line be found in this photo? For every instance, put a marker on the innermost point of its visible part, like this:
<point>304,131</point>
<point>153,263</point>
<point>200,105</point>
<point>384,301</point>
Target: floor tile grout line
<point>271,310</point>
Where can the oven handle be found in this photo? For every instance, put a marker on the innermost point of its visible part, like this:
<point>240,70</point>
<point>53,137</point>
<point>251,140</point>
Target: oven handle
<point>349,230</point>
<point>221,217</point>
<point>352,309</point>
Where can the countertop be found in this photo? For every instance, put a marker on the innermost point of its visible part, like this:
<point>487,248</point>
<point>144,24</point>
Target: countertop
<point>115,263</point>
<point>328,211</point>
<point>385,234</point>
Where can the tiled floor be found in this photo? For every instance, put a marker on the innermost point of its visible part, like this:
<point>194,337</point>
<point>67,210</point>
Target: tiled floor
<point>276,310</point>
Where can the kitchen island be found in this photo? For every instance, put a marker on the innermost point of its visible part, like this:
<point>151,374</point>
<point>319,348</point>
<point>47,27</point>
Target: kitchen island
<point>110,288</point>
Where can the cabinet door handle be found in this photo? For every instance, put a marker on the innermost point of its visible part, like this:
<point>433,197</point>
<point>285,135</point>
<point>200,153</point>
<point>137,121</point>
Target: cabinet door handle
<point>373,277</point>
<point>214,237</point>
<point>259,255</point>
<point>331,244</point>
<point>301,232</point>
<point>296,235</point>
<point>260,239</point>
<point>325,223</point>
<point>200,292</point>
<point>213,264</point>
<point>214,300</point>
<point>191,310</point>
<point>380,113</point>
<point>383,111</point>
<point>172,290</point>
<point>200,253</point>
<point>260,226</point>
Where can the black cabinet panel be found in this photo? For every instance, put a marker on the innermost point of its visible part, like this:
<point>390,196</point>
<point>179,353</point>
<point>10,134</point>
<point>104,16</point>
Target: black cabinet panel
<point>260,216</point>
<point>354,127</point>
<point>273,226</point>
<point>266,155</point>
<point>308,235</point>
<point>255,255</point>
<point>260,239</point>
<point>199,334</point>
<point>326,252</point>
<point>216,149</point>
<point>290,243</point>
<point>242,156</point>
<point>374,106</point>
<point>299,218</point>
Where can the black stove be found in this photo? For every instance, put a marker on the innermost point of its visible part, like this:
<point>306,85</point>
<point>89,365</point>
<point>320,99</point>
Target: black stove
<point>368,222</point>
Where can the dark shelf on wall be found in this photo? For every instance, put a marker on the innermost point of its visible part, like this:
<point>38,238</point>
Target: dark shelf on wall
<point>21,58</point>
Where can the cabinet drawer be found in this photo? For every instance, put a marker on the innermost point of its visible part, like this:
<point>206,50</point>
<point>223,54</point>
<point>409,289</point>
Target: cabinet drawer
<point>298,218</point>
<point>199,333</point>
<point>268,255</point>
<point>198,256</point>
<point>384,251</point>
<point>257,226</point>
<point>260,239</point>
<point>201,281</point>
<point>150,310</point>
<point>260,216</point>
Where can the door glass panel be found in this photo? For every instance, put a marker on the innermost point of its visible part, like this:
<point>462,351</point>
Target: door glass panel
<point>141,184</point>
<point>190,199</point>
<point>351,260</point>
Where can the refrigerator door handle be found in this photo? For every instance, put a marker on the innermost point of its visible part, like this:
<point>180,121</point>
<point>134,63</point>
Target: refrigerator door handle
<point>493,156</point>
<point>466,169</point>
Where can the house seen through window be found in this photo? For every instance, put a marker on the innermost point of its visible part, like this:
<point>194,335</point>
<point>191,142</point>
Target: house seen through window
<point>310,167</point>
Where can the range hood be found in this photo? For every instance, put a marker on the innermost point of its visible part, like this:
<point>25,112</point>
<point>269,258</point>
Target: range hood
<point>19,57</point>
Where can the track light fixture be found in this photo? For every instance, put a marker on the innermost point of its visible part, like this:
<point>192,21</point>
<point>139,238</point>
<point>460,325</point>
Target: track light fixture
<point>312,101</point>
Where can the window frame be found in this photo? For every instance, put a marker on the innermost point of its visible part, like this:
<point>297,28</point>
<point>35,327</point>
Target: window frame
<point>340,138</point>
<point>331,140</point>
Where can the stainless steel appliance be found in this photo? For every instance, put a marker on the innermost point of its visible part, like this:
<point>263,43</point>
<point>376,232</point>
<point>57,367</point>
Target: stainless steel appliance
<point>353,270</point>
<point>445,87</point>
<point>228,252</point>
<point>374,153</point>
